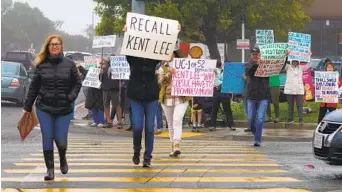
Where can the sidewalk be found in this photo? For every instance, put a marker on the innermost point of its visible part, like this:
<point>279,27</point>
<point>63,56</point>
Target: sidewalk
<point>272,132</point>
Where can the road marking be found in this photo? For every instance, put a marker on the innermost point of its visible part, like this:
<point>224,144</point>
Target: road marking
<point>162,159</point>
<point>157,179</point>
<point>102,145</point>
<point>157,190</point>
<point>152,170</point>
<point>159,155</point>
<point>184,134</point>
<point>162,164</point>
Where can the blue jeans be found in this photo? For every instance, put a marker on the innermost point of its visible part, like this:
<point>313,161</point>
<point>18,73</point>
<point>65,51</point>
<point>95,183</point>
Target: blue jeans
<point>256,116</point>
<point>85,92</point>
<point>98,116</point>
<point>159,117</point>
<point>53,128</point>
<point>142,110</point>
<point>245,106</point>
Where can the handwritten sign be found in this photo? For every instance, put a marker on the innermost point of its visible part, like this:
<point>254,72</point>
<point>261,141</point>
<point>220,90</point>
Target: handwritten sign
<point>91,62</point>
<point>92,78</point>
<point>120,67</point>
<point>326,84</point>
<point>232,78</point>
<point>150,37</point>
<point>272,59</point>
<point>193,77</point>
<point>264,37</point>
<point>300,46</point>
<point>104,41</point>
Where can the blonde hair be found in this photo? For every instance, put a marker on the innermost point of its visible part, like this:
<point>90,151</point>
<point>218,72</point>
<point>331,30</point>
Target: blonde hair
<point>44,50</point>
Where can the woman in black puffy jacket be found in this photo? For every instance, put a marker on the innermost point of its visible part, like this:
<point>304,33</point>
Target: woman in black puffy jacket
<point>55,86</point>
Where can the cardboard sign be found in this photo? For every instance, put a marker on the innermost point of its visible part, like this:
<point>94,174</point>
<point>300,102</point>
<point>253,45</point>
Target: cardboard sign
<point>326,84</point>
<point>232,78</point>
<point>91,62</point>
<point>272,59</point>
<point>92,78</point>
<point>264,37</point>
<point>120,67</point>
<point>104,41</point>
<point>150,37</point>
<point>300,46</point>
<point>193,77</point>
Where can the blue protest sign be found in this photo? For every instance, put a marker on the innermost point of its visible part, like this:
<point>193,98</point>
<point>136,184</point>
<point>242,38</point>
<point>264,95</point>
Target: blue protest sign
<point>232,81</point>
<point>300,46</point>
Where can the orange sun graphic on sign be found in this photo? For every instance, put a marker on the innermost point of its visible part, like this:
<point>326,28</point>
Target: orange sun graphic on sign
<point>196,52</point>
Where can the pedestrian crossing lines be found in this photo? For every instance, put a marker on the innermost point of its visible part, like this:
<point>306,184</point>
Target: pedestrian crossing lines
<point>107,166</point>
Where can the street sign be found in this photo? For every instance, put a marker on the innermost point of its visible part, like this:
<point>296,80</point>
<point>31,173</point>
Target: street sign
<point>242,44</point>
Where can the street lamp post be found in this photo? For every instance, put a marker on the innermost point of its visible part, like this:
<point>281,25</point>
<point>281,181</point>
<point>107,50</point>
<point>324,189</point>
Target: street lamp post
<point>138,6</point>
<point>243,34</point>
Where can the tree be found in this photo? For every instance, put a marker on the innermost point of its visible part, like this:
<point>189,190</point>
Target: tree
<point>210,21</point>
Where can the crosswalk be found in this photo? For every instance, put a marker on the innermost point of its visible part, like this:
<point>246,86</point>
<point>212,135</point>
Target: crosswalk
<point>106,166</point>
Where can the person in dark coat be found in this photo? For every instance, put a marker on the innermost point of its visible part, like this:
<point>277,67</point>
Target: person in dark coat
<point>54,87</point>
<point>94,102</point>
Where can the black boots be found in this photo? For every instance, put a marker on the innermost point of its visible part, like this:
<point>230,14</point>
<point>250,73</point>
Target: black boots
<point>48,157</point>
<point>63,162</point>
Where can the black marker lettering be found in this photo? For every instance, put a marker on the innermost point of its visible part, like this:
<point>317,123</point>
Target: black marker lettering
<point>133,22</point>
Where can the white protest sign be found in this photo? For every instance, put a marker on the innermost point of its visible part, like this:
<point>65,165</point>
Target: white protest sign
<point>91,62</point>
<point>92,78</point>
<point>193,77</point>
<point>120,67</point>
<point>104,41</point>
<point>149,37</point>
<point>326,87</point>
<point>272,59</point>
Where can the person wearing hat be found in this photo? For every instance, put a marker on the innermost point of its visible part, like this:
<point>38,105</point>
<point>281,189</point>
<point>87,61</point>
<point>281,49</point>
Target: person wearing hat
<point>258,94</point>
<point>173,107</point>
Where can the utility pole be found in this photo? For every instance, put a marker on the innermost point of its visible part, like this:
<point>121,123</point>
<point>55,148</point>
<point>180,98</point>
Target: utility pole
<point>138,6</point>
<point>243,33</point>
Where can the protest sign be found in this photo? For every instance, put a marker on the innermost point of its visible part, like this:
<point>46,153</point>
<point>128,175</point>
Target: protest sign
<point>104,41</point>
<point>92,78</point>
<point>193,77</point>
<point>326,84</point>
<point>272,59</point>
<point>264,37</point>
<point>308,86</point>
<point>232,81</point>
<point>300,46</point>
<point>120,67</point>
<point>149,37</point>
<point>91,62</point>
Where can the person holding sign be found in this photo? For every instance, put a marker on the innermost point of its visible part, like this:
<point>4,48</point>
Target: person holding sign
<point>174,107</point>
<point>54,87</point>
<point>258,94</point>
<point>294,89</point>
<point>328,107</point>
<point>143,90</point>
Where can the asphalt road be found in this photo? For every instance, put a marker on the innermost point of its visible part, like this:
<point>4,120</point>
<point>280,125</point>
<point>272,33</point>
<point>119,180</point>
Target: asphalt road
<point>204,164</point>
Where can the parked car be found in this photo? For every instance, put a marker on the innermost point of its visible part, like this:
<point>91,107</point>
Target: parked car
<point>15,82</point>
<point>24,57</point>
<point>327,139</point>
<point>75,55</point>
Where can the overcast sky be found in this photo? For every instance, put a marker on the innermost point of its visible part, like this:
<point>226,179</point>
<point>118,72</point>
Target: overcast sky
<point>76,14</point>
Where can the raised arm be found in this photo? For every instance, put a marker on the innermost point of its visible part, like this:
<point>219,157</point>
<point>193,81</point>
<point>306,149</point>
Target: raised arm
<point>250,68</point>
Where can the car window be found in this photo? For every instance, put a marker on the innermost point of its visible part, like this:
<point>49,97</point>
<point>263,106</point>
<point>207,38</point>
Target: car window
<point>76,56</point>
<point>9,69</point>
<point>16,56</point>
<point>23,71</point>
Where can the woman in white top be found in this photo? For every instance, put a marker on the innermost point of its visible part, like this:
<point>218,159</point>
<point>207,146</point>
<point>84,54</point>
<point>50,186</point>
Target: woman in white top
<point>294,89</point>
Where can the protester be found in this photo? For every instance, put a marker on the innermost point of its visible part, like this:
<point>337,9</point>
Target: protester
<point>294,89</point>
<point>94,102</point>
<point>111,93</point>
<point>55,85</point>
<point>274,82</point>
<point>83,73</point>
<point>174,107</point>
<point>328,107</point>
<point>257,96</point>
<point>244,98</point>
<point>196,113</point>
<point>219,98</point>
